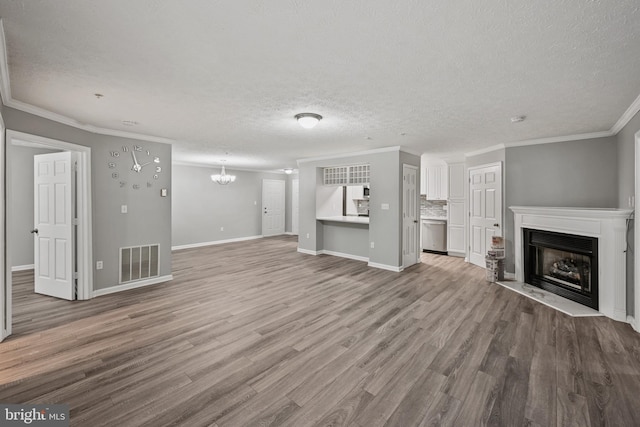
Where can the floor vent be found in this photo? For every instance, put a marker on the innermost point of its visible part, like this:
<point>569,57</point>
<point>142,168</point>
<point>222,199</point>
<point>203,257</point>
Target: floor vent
<point>139,262</point>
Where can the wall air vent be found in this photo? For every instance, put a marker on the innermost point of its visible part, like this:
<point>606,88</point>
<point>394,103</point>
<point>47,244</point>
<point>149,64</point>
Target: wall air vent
<point>139,262</point>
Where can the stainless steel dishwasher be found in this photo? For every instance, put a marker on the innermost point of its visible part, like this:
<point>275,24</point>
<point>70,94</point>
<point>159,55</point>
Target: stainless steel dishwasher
<point>434,235</point>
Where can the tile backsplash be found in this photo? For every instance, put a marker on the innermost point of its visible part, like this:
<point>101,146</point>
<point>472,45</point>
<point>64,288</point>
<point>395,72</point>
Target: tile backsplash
<point>435,208</point>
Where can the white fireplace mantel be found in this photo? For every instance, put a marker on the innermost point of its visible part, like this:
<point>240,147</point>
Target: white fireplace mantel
<point>609,226</point>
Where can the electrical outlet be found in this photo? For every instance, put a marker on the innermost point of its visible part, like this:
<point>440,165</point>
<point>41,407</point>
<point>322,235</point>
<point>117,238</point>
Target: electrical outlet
<point>384,206</point>
<point>373,245</point>
<point>307,235</point>
<point>99,265</point>
<point>221,228</point>
<point>123,209</point>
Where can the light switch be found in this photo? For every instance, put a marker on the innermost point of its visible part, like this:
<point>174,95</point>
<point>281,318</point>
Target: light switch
<point>384,206</point>
<point>123,209</point>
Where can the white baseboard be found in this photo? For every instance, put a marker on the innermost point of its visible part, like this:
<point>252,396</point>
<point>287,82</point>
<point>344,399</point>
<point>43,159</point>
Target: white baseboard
<point>289,233</point>
<point>509,276</point>
<point>132,285</point>
<point>23,267</point>
<point>215,242</point>
<point>309,251</point>
<point>343,255</point>
<point>395,269</point>
<point>354,257</point>
<point>632,322</point>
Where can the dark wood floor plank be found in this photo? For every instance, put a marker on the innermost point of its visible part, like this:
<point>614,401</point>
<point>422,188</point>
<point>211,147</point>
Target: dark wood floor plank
<point>283,338</point>
<point>572,409</point>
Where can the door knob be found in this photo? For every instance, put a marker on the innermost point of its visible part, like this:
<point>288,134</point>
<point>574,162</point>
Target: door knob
<point>496,225</point>
<point>35,230</point>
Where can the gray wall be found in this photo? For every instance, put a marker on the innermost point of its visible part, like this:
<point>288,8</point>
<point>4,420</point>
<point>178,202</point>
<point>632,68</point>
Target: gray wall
<point>149,216</point>
<point>626,188</point>
<point>565,174</point>
<point>386,184</point>
<point>201,207</point>
<point>346,238</point>
<point>22,204</point>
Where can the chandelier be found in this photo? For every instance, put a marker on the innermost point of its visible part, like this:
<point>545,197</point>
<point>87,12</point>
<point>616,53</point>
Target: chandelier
<point>223,178</point>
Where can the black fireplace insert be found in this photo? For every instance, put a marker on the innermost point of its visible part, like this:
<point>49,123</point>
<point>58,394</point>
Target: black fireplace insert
<point>564,264</point>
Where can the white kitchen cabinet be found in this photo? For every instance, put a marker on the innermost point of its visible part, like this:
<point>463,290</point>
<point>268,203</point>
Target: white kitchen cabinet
<point>456,181</point>
<point>456,228</point>
<point>457,214</point>
<point>434,182</point>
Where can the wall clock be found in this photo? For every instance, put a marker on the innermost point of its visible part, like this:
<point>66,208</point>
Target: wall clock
<point>134,167</point>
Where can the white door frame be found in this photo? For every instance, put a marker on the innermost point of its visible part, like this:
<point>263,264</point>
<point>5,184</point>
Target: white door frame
<point>84,231</point>
<point>635,321</point>
<point>468,203</point>
<point>5,282</point>
<point>406,264</point>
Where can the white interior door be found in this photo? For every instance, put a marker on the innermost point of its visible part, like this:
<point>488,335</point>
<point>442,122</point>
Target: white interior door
<point>273,207</point>
<point>295,206</point>
<point>54,213</point>
<point>485,204</point>
<point>409,215</point>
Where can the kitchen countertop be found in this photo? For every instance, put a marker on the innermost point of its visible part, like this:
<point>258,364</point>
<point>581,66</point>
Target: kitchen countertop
<point>348,219</point>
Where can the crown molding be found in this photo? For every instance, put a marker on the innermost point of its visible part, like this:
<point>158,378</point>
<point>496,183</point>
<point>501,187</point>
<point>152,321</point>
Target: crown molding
<point>357,153</point>
<point>231,168</point>
<point>5,87</point>
<point>565,138</point>
<point>485,150</point>
<point>627,116</point>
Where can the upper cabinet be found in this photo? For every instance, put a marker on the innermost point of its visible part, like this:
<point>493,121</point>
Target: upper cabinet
<point>346,175</point>
<point>434,182</point>
<point>456,181</point>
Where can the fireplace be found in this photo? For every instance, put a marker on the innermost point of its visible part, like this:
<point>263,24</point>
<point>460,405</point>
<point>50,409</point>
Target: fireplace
<point>607,264</point>
<point>564,264</point>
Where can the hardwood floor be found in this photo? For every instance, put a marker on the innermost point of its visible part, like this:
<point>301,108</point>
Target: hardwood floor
<point>254,333</point>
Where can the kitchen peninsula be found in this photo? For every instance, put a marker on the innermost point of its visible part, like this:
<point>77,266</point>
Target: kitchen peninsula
<point>327,227</point>
<point>343,235</point>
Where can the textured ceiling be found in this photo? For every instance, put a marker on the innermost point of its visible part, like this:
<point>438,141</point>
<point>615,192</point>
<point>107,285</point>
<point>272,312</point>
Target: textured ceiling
<point>228,76</point>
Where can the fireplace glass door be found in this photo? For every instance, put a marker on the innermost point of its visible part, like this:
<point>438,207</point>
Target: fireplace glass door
<point>564,264</point>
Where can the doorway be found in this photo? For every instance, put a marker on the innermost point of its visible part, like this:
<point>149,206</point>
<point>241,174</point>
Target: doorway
<point>83,240</point>
<point>485,209</point>
<point>273,207</point>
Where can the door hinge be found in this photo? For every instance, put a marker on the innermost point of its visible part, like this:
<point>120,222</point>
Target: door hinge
<point>75,167</point>
<point>75,275</point>
<point>76,221</point>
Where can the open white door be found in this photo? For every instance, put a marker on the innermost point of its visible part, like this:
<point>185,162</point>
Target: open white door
<point>485,203</point>
<point>409,215</point>
<point>54,214</point>
<point>273,207</point>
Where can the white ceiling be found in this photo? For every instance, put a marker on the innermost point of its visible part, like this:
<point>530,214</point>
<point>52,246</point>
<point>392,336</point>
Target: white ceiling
<point>228,76</point>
